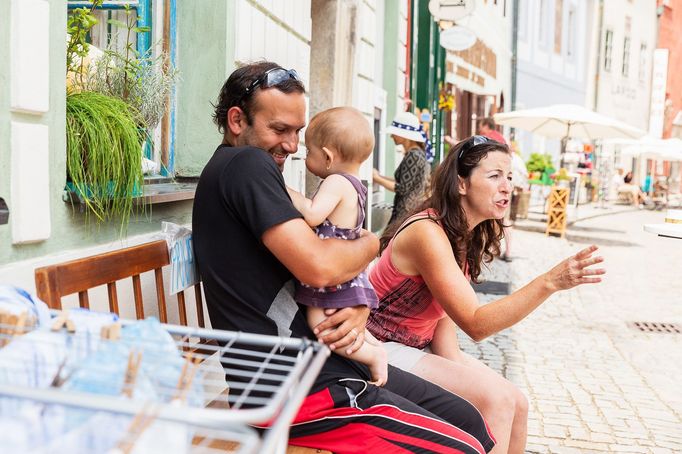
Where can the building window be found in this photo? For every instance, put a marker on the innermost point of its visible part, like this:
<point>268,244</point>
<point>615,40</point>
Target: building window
<point>558,18</point>
<point>110,33</point>
<point>570,33</point>
<point>523,19</point>
<point>542,24</point>
<point>625,69</point>
<point>608,49</point>
<point>642,62</point>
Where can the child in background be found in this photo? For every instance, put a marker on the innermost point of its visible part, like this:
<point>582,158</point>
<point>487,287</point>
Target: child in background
<point>339,140</point>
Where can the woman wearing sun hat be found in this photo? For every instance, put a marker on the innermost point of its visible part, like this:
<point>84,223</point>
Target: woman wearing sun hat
<point>412,175</point>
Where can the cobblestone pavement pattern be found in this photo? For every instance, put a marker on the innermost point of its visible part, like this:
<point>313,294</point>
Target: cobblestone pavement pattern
<point>594,383</point>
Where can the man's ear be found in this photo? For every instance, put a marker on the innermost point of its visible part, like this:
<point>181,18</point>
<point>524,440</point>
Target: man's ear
<point>462,186</point>
<point>329,155</point>
<point>236,120</point>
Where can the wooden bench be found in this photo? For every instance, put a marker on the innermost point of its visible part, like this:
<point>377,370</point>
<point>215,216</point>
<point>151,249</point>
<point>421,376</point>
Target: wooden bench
<point>80,275</point>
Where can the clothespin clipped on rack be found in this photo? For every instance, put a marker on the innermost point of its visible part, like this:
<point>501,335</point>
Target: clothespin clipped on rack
<point>62,321</point>
<point>111,332</point>
<point>134,360</point>
<point>138,425</point>
<point>12,325</point>
<point>189,370</point>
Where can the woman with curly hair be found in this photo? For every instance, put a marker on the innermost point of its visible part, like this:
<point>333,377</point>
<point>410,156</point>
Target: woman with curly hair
<point>423,283</point>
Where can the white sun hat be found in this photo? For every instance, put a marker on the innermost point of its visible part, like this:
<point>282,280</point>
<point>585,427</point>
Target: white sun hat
<point>406,124</point>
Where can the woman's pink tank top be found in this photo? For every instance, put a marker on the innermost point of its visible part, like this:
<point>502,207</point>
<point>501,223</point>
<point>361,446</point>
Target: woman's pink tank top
<point>407,312</point>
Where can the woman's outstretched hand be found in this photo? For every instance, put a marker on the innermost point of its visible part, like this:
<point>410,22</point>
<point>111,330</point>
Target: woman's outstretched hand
<point>575,270</point>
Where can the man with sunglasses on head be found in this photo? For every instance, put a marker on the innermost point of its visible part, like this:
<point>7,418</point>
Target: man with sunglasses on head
<point>251,243</point>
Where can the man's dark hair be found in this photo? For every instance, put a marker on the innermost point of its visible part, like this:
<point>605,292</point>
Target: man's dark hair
<point>233,92</point>
<point>489,122</point>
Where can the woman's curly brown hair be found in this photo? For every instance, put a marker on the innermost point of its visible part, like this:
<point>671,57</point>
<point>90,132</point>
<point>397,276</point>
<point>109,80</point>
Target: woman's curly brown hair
<point>473,248</point>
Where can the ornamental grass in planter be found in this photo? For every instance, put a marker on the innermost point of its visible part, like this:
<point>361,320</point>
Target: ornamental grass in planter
<point>104,161</point>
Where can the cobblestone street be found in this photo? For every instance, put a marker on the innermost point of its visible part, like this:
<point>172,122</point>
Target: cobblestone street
<point>594,383</point>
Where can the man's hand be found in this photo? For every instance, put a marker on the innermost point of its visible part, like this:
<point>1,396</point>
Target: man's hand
<point>344,328</point>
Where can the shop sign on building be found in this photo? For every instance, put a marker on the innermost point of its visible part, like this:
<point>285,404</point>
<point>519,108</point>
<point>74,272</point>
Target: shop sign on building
<point>451,10</point>
<point>457,38</point>
<point>658,86</point>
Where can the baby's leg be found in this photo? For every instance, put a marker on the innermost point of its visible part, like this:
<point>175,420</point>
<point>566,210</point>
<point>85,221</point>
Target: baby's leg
<point>371,353</point>
<point>316,316</point>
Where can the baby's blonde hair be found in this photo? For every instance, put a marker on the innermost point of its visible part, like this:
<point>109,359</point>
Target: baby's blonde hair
<point>343,129</point>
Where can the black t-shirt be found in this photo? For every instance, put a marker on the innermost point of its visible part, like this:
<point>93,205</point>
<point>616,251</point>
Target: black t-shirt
<point>240,195</point>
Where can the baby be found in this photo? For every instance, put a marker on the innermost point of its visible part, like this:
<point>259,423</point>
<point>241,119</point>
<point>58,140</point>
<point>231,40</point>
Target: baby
<point>339,140</point>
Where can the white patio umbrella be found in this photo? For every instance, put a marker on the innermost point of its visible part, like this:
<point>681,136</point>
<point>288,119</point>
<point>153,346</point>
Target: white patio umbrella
<point>568,120</point>
<point>663,149</point>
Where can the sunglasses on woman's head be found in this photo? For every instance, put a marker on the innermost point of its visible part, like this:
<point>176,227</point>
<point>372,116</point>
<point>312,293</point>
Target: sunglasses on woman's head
<point>271,78</point>
<point>472,142</point>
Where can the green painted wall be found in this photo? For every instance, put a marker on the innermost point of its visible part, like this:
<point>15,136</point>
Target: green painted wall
<point>4,118</point>
<point>390,82</point>
<point>421,52</point>
<point>205,59</point>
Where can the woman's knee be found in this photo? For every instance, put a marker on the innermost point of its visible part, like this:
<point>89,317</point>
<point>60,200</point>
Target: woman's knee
<point>511,399</point>
<point>521,404</point>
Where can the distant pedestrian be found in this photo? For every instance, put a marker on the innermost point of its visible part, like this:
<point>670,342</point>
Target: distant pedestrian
<point>617,181</point>
<point>487,128</point>
<point>410,180</point>
<point>423,283</point>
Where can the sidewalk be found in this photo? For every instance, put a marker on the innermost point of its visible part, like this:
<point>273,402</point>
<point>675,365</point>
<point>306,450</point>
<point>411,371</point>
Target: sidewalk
<point>537,221</point>
<point>594,383</point>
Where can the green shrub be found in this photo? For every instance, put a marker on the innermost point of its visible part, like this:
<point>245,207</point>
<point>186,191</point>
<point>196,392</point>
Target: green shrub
<point>104,154</point>
<point>539,162</point>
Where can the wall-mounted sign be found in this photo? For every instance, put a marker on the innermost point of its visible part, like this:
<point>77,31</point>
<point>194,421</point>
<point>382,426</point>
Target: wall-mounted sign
<point>451,10</point>
<point>457,38</point>
<point>659,81</point>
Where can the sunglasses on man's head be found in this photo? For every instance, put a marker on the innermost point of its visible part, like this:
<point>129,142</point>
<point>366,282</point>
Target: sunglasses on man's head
<point>271,78</point>
<point>472,142</point>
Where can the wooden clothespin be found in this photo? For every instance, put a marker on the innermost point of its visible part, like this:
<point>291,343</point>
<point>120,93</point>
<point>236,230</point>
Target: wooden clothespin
<point>189,370</point>
<point>63,321</point>
<point>134,360</point>
<point>138,425</point>
<point>12,325</point>
<point>111,332</point>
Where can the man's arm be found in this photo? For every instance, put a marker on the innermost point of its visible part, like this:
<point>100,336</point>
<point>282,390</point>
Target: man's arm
<point>318,262</point>
<point>322,263</point>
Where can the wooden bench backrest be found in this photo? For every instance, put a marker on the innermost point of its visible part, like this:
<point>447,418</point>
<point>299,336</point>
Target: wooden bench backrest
<point>78,276</point>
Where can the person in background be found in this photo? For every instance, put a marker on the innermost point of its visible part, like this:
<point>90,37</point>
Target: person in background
<point>423,279</point>
<point>617,181</point>
<point>520,184</point>
<point>487,128</point>
<point>637,196</point>
<point>410,179</point>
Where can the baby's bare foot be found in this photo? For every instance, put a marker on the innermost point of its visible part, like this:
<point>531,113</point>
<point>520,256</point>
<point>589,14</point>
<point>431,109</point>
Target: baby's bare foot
<point>379,367</point>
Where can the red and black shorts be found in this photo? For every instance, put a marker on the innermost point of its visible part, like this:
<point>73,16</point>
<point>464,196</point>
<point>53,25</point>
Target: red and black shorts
<point>409,414</point>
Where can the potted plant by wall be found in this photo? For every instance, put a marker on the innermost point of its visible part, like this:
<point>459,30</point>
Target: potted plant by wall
<point>104,161</point>
<point>538,165</point>
<point>562,178</point>
<point>112,103</point>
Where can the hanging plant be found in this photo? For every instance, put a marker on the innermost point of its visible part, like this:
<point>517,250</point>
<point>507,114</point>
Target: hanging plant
<point>104,161</point>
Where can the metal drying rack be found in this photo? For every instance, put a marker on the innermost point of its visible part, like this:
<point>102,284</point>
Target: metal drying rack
<point>268,377</point>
